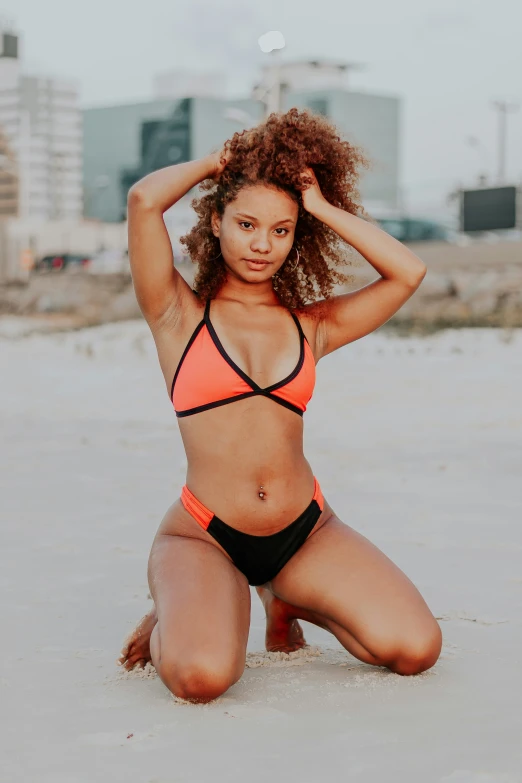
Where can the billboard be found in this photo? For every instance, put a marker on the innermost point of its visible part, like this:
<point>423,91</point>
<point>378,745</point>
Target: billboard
<point>488,209</point>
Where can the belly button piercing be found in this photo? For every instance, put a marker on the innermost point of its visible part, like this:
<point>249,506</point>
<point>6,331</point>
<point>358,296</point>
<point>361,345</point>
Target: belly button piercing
<point>261,494</point>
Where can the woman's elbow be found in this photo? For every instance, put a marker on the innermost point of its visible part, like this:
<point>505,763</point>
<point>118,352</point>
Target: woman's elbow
<point>417,274</point>
<point>137,197</point>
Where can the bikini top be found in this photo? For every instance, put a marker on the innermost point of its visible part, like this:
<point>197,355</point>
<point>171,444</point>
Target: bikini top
<point>206,377</point>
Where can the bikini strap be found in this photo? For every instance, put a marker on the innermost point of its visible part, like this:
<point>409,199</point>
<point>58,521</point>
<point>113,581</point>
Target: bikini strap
<point>298,324</point>
<point>302,335</point>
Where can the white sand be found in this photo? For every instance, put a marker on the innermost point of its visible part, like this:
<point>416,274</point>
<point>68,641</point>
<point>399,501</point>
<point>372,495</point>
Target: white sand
<point>416,443</point>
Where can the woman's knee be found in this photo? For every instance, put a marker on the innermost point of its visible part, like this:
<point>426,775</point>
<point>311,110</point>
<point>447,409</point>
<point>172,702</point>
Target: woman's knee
<point>199,679</point>
<point>419,652</point>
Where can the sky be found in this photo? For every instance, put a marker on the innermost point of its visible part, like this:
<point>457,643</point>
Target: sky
<point>447,60</point>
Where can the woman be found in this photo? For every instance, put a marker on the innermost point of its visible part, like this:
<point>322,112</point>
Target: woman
<point>238,353</point>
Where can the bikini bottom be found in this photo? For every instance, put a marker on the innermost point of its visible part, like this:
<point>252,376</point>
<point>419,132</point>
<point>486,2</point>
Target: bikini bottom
<point>259,558</point>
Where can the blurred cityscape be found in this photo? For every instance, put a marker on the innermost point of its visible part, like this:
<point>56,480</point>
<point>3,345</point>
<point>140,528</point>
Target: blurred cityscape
<point>65,171</point>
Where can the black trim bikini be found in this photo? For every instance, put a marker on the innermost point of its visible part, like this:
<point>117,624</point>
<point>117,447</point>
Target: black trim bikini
<point>208,376</point>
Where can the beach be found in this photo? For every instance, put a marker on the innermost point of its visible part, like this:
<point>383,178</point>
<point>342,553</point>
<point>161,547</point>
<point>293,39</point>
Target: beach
<point>416,443</point>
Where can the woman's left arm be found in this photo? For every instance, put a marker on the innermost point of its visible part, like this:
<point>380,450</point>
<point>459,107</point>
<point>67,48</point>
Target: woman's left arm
<point>355,314</point>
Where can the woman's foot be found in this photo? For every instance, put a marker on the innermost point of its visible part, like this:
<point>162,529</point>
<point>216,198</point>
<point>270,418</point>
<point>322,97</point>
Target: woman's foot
<point>283,632</point>
<point>136,649</point>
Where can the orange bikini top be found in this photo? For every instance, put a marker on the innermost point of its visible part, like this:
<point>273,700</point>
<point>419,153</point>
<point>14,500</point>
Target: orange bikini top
<point>206,377</point>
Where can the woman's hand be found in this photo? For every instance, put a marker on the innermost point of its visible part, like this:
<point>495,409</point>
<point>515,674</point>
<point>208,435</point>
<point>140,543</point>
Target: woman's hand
<point>218,161</point>
<point>311,192</point>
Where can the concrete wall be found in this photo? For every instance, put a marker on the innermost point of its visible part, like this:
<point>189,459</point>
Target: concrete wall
<point>372,122</point>
<point>475,285</point>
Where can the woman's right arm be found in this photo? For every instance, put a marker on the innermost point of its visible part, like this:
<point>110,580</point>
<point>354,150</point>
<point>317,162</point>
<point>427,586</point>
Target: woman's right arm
<point>160,289</point>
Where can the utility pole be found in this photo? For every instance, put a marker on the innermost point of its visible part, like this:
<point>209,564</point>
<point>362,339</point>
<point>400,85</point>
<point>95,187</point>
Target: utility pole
<point>503,107</point>
<point>273,103</point>
<point>271,43</point>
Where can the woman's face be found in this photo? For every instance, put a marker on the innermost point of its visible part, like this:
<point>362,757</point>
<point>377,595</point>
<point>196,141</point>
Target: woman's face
<point>256,232</point>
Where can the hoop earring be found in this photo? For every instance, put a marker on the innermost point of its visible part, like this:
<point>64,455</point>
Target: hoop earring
<point>216,258</point>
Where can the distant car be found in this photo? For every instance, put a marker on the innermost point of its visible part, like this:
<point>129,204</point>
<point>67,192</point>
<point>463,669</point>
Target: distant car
<point>61,261</point>
<point>407,229</point>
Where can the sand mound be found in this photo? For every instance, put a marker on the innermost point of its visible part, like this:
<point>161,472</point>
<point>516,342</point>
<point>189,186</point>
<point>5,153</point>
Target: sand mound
<point>298,658</point>
<point>253,661</point>
<point>148,672</point>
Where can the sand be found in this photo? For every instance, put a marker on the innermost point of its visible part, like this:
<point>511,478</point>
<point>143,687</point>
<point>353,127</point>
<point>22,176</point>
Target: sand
<point>416,443</point>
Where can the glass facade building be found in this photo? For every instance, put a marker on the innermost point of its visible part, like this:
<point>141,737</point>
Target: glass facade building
<point>124,143</point>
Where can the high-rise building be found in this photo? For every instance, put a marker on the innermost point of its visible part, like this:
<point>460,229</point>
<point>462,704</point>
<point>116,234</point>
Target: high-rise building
<point>40,121</point>
<point>9,181</point>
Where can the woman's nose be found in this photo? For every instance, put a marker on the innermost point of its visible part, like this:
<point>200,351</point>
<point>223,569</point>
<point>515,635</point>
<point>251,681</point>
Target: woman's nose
<point>261,244</point>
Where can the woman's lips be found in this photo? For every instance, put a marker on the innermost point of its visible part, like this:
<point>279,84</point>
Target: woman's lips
<point>256,265</point>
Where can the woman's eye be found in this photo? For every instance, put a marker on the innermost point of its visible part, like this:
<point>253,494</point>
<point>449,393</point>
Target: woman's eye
<point>248,224</point>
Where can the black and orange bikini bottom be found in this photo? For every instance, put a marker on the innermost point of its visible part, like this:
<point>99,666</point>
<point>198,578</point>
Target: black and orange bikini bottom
<point>259,558</point>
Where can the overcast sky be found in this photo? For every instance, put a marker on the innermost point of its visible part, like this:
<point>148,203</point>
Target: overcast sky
<point>446,59</point>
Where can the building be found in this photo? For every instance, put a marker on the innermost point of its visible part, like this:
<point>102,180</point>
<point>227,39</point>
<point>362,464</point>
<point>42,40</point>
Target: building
<point>124,143</point>
<point>9,180</point>
<point>40,121</point>
<point>368,120</point>
<point>307,74</point>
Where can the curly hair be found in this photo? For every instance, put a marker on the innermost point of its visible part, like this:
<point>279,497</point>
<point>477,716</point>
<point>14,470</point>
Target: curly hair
<point>275,153</point>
